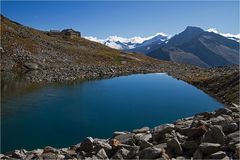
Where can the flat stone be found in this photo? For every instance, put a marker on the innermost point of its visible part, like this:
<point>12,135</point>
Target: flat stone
<point>150,153</point>
<point>141,130</point>
<point>217,155</point>
<point>214,135</point>
<point>116,133</point>
<point>209,148</point>
<point>31,66</point>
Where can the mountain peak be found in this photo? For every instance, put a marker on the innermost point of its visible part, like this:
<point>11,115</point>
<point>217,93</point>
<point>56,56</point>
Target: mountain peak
<point>193,29</point>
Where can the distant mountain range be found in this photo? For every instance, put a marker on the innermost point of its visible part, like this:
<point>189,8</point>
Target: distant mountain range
<point>192,46</point>
<point>198,47</point>
<point>130,43</point>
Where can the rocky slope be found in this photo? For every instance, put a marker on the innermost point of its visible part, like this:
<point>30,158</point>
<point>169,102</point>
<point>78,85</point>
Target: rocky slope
<point>208,135</point>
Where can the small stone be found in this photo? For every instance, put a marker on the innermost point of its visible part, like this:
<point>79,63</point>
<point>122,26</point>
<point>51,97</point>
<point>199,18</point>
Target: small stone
<point>229,128</point>
<point>150,153</point>
<point>31,66</point>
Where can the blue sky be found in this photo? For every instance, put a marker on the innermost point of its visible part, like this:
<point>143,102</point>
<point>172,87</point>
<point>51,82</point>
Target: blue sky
<point>126,19</point>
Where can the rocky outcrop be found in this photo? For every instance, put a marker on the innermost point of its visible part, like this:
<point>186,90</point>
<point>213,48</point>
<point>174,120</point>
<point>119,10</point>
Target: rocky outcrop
<point>208,135</point>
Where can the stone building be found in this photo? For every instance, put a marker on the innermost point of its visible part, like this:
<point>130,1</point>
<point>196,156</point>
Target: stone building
<point>71,33</point>
<point>67,33</point>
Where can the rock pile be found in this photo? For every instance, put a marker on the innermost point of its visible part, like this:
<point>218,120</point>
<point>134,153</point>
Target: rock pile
<point>208,135</point>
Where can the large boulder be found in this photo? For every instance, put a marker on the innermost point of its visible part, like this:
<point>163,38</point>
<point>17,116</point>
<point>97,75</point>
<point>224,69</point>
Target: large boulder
<point>150,153</point>
<point>86,145</point>
<point>174,146</point>
<point>126,138</point>
<point>229,128</point>
<point>101,154</point>
<point>222,111</point>
<point>209,148</point>
<point>159,131</point>
<point>214,135</point>
<point>233,140</point>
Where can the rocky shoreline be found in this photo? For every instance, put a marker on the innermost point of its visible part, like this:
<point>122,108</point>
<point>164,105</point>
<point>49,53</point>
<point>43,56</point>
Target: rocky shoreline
<point>207,135</point>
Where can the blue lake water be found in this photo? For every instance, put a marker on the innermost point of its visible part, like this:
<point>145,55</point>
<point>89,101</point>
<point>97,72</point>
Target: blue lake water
<point>61,115</point>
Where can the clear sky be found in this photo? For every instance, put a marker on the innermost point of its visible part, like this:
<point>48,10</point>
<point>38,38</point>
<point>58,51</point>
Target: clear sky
<point>126,19</point>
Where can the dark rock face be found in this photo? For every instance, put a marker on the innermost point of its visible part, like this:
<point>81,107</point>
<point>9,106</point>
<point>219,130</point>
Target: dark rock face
<point>150,153</point>
<point>196,137</point>
<point>214,135</point>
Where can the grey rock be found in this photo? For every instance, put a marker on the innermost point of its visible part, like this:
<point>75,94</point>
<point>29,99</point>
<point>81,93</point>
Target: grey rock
<point>159,131</point>
<point>102,144</point>
<point>223,111</point>
<point>217,155</point>
<point>150,153</point>
<point>188,145</point>
<point>101,154</point>
<point>86,145</point>
<point>123,152</point>
<point>180,158</point>
<point>209,148</point>
<point>174,146</point>
<point>126,138</point>
<point>145,144</point>
<point>19,154</point>
<point>198,154</point>
<point>49,149</point>
<point>161,145</point>
<point>141,130</point>
<point>233,139</point>
<point>229,128</point>
<point>214,135</point>
<point>31,66</point>
<point>116,133</point>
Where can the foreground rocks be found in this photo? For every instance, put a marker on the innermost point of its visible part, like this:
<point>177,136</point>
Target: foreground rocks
<point>208,135</point>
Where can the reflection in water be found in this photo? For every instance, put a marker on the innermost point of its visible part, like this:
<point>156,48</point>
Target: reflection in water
<point>59,115</point>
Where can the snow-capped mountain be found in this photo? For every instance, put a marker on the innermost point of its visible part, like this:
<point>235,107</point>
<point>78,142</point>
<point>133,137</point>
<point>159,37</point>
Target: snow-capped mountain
<point>235,37</point>
<point>130,43</point>
<point>147,44</point>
